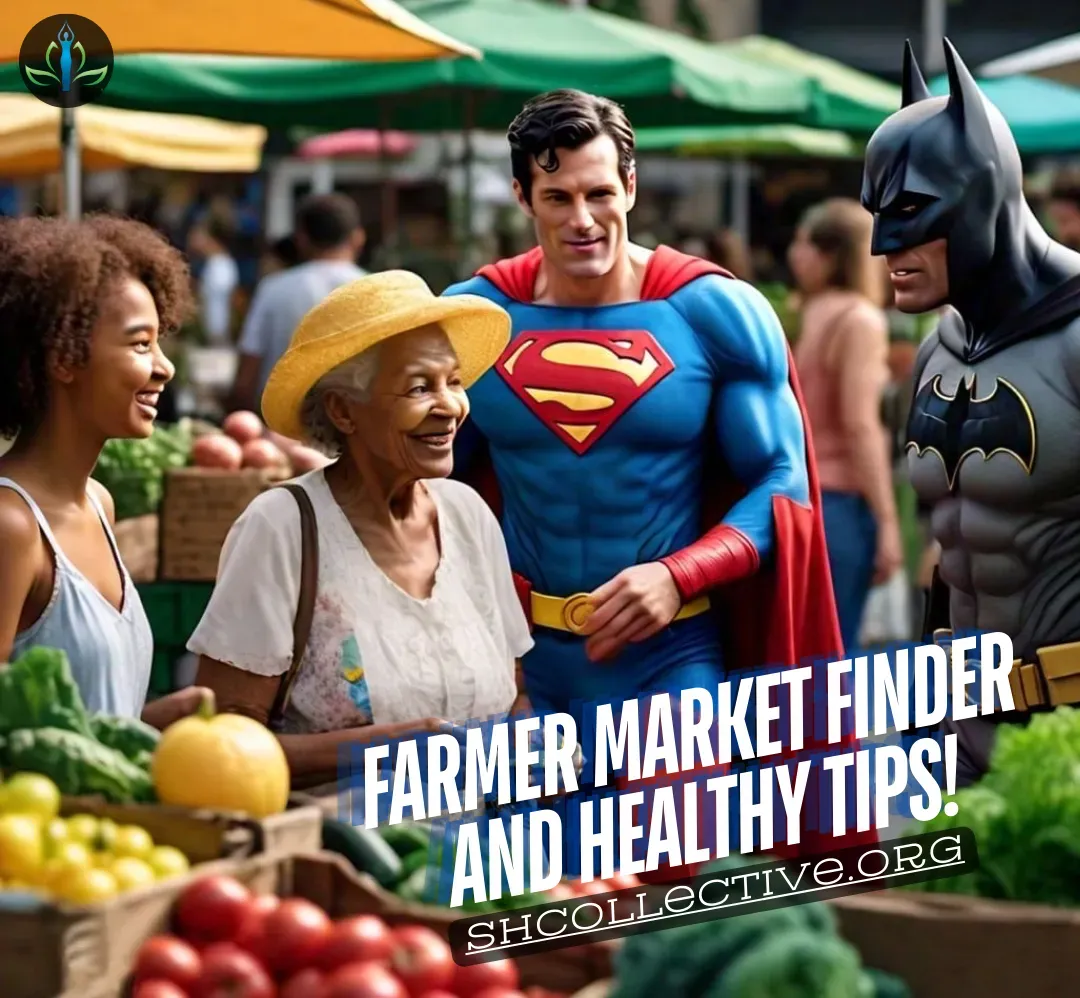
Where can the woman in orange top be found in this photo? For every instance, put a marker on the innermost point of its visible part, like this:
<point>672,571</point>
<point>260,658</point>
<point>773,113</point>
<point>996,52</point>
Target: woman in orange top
<point>842,362</point>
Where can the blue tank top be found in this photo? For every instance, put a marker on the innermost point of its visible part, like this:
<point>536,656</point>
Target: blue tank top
<point>111,651</point>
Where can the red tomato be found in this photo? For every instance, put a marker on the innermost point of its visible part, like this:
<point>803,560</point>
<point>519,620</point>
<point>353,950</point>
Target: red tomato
<point>355,940</point>
<point>438,994</point>
<point>166,958</point>
<point>501,993</point>
<point>421,959</point>
<point>593,887</point>
<point>158,989</point>
<point>478,977</point>
<point>212,909</point>
<point>251,932</point>
<point>243,426</point>
<point>217,451</point>
<point>562,892</point>
<point>364,980</point>
<point>538,992</point>
<point>229,972</point>
<point>310,983</point>
<point>623,882</point>
<point>294,935</point>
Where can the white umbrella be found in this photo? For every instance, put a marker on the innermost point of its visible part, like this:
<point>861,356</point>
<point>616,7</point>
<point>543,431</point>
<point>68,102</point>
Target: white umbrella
<point>1057,60</point>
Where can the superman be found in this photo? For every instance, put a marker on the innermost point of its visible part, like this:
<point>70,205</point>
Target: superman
<point>643,440</point>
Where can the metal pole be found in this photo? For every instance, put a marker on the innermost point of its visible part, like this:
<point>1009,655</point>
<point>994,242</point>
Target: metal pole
<point>935,21</point>
<point>70,165</point>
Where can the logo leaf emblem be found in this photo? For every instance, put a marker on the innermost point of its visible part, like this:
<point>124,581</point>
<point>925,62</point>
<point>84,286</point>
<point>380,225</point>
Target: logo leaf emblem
<point>41,77</point>
<point>95,76</point>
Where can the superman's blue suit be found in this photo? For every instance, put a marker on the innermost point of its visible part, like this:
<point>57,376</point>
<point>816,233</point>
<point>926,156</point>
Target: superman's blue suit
<point>668,429</point>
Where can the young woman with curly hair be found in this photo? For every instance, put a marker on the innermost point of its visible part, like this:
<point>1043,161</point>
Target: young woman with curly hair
<point>82,305</point>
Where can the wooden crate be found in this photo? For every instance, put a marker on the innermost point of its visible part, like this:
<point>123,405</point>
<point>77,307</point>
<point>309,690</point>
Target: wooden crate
<point>199,508</point>
<point>137,540</point>
<point>89,952</point>
<point>953,946</point>
<point>204,835</point>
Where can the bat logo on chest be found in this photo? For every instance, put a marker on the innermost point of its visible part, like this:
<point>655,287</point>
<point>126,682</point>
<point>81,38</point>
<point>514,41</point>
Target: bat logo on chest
<point>957,426</point>
<point>580,383</point>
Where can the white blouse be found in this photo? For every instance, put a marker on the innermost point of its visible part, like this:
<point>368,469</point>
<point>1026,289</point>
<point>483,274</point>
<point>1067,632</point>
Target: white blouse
<point>375,654</point>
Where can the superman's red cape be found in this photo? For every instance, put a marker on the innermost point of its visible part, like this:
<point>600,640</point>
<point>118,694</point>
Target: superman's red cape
<point>785,614</point>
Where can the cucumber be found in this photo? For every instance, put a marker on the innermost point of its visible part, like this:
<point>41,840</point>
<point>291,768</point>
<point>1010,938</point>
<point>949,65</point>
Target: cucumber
<point>365,849</point>
<point>406,838</point>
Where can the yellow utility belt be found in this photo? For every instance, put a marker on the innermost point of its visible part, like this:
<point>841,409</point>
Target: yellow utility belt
<point>571,613</point>
<point>1052,680</point>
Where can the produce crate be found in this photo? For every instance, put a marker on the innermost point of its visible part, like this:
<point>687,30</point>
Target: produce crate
<point>89,952</point>
<point>137,542</point>
<point>205,835</point>
<point>51,951</point>
<point>199,507</point>
<point>950,946</point>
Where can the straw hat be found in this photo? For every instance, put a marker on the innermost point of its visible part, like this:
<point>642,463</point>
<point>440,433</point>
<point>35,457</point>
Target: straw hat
<point>358,315</point>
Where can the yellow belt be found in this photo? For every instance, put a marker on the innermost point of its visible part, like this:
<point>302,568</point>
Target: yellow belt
<point>1052,680</point>
<point>572,612</point>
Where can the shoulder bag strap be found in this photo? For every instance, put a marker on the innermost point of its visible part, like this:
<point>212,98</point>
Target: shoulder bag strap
<point>305,610</point>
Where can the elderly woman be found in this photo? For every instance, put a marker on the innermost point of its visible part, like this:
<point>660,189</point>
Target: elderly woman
<point>416,622</point>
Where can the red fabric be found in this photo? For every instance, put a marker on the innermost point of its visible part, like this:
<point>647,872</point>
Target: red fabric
<point>666,272</point>
<point>724,554</point>
<point>784,615</point>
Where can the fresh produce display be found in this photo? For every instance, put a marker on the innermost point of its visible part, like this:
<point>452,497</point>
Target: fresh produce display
<point>1025,816</point>
<point>794,951</point>
<point>227,941</point>
<point>245,442</point>
<point>133,471</point>
<point>45,728</point>
<point>80,859</point>
<point>223,761</point>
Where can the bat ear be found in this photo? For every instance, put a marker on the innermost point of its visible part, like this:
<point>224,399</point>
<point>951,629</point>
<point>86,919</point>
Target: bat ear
<point>914,86</point>
<point>965,99</point>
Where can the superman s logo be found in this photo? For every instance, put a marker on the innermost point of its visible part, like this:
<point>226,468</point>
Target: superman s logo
<point>580,383</point>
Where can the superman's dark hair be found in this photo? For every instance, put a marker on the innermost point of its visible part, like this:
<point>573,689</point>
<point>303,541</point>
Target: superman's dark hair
<point>565,119</point>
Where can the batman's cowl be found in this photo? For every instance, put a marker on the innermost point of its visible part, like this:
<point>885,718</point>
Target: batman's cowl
<point>948,167</point>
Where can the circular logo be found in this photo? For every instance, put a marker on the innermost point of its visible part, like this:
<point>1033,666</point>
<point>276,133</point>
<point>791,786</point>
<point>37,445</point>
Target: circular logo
<point>576,612</point>
<point>66,60</point>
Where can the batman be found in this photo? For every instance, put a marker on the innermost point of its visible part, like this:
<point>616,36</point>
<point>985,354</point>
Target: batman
<point>993,437</point>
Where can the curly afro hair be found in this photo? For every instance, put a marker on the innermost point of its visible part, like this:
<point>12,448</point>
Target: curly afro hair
<point>54,274</point>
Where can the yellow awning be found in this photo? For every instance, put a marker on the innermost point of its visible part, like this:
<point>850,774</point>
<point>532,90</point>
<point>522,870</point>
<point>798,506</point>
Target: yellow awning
<point>110,138</point>
<point>368,30</point>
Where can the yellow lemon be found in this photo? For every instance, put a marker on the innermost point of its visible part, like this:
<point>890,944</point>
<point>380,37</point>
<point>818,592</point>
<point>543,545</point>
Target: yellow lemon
<point>87,887</point>
<point>24,887</point>
<point>131,874</point>
<point>130,840</point>
<point>83,828</point>
<point>167,862</point>
<point>54,834</point>
<point>102,860</point>
<point>106,836</point>
<point>31,793</point>
<point>69,859</point>
<point>21,849</point>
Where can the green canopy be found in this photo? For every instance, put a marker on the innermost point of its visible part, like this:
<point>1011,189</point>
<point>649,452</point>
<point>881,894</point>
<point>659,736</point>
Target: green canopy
<point>847,100</point>
<point>750,140</point>
<point>1044,115</point>
<point>529,46</point>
